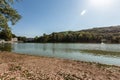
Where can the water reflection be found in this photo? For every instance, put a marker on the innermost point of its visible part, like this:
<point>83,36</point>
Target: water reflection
<point>66,50</point>
<point>53,48</point>
<point>44,46</point>
<point>6,47</point>
<point>103,47</point>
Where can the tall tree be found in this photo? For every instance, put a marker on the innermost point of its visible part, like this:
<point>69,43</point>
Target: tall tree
<point>7,14</point>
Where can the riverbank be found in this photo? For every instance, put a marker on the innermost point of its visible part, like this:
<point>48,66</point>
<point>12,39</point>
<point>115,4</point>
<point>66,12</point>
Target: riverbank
<point>25,67</point>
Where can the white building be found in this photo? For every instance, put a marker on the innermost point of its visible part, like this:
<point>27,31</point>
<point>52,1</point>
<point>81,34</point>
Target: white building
<point>14,39</point>
<point>2,40</point>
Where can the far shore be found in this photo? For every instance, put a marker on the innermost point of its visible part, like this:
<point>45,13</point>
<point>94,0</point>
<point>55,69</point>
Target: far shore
<point>15,66</point>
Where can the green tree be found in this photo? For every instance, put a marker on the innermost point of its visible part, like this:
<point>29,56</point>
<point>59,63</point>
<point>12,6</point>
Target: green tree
<point>6,34</point>
<point>7,14</point>
<point>22,38</point>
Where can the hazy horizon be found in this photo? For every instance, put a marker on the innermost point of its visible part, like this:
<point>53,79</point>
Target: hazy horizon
<point>47,16</point>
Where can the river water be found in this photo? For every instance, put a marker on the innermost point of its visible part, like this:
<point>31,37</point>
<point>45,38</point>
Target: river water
<point>69,51</point>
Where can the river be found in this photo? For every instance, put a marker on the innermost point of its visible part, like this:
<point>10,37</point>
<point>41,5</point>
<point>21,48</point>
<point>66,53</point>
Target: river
<point>69,51</point>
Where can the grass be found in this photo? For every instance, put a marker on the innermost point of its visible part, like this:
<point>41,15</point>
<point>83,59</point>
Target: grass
<point>101,52</point>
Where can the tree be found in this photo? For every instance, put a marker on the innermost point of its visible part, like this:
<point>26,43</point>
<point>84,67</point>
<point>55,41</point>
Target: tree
<point>7,14</point>
<point>6,34</point>
<point>22,38</point>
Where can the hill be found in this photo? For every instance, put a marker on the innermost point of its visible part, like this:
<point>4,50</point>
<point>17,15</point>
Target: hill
<point>112,29</point>
<point>95,35</point>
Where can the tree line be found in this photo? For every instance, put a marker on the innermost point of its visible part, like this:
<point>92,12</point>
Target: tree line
<point>95,35</point>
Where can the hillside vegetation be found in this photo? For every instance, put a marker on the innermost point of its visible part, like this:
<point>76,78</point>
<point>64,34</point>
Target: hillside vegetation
<point>96,35</point>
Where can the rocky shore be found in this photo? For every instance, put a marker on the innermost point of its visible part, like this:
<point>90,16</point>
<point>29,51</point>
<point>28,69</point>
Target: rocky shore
<point>25,67</point>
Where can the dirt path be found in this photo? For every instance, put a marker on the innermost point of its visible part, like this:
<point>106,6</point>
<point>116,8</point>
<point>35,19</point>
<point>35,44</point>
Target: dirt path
<point>24,67</point>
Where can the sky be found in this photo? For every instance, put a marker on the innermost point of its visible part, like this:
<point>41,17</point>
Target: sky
<point>47,16</point>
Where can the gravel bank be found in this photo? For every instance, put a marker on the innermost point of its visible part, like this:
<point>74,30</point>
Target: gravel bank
<point>25,67</point>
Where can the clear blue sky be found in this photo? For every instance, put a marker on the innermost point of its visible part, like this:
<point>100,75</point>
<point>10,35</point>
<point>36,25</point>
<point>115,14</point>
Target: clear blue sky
<point>47,16</point>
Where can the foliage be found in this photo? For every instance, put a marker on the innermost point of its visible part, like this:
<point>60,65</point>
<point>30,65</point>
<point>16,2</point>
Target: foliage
<point>95,35</point>
<point>7,14</point>
<point>22,38</point>
<point>6,34</point>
